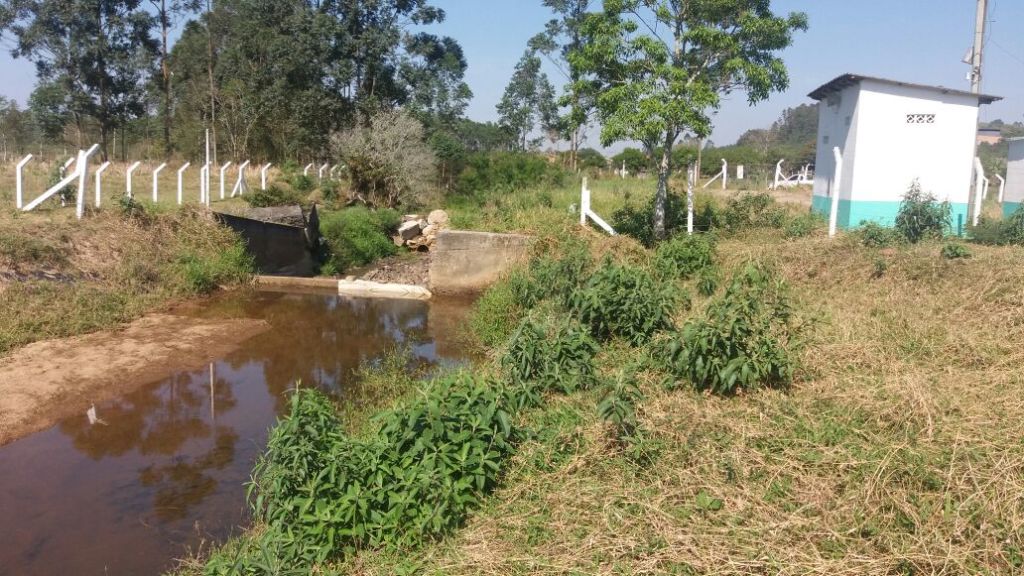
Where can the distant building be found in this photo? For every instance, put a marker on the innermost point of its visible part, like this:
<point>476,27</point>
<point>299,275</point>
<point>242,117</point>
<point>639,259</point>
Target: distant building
<point>890,134</point>
<point>989,136</point>
<point>1014,195</point>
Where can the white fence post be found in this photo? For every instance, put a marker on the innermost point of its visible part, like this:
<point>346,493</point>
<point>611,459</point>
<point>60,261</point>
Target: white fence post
<point>99,182</point>
<point>778,174</point>
<point>725,174</point>
<point>979,188</point>
<point>690,172</point>
<point>204,184</point>
<point>239,187</point>
<point>128,178</point>
<point>584,203</point>
<point>837,181</point>
<point>223,169</point>
<point>320,174</point>
<point>1002,187</point>
<point>263,176</point>
<point>156,181</point>
<point>19,198</point>
<point>333,169</point>
<point>82,169</point>
<point>740,172</point>
<point>305,171</point>
<point>181,172</point>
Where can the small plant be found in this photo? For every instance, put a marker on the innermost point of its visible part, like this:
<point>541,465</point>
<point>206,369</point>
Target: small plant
<point>275,195</point>
<point>879,268</point>
<point>685,256</point>
<point>753,211</point>
<point>874,235</point>
<point>358,236</point>
<point>707,282</point>
<point>554,355</point>
<point>1006,232</point>
<point>955,251</point>
<point>804,225</point>
<point>747,338</point>
<point>625,301</point>
<point>301,183</point>
<point>618,406</point>
<point>921,216</point>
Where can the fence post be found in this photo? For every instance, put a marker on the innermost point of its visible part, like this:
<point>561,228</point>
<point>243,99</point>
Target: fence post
<point>1002,187</point>
<point>240,183</point>
<point>204,184</point>
<point>181,172</point>
<point>305,171</point>
<point>332,170</point>
<point>263,176</point>
<point>725,173</point>
<point>128,178</point>
<point>320,174</point>
<point>82,169</point>
<point>19,198</point>
<point>99,182</point>
<point>584,203</point>
<point>979,189</point>
<point>740,172</point>
<point>778,174</point>
<point>837,181</point>
<point>690,179</point>
<point>156,181</point>
<point>223,169</point>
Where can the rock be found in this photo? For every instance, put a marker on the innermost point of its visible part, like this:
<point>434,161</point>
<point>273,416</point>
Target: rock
<point>423,224</point>
<point>409,230</point>
<point>430,230</point>
<point>438,218</point>
<point>411,218</point>
<point>398,240</point>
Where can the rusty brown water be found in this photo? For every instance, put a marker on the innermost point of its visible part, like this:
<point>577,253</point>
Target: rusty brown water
<point>162,470</point>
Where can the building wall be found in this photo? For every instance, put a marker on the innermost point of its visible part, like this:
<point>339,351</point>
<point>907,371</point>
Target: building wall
<point>1014,195</point>
<point>837,126</point>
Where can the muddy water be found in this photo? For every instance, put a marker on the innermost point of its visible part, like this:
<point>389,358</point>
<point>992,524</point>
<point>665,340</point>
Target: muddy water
<point>160,471</point>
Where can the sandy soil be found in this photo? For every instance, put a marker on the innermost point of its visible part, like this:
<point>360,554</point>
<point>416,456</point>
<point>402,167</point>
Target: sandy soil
<point>42,383</point>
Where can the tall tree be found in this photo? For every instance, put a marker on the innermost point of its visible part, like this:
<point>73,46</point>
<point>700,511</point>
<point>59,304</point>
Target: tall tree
<point>562,36</point>
<point>99,52</point>
<point>660,67</point>
<point>528,102</point>
<point>167,13</point>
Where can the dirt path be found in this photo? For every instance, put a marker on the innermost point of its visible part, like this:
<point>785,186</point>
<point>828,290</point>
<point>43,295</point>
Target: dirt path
<point>42,383</point>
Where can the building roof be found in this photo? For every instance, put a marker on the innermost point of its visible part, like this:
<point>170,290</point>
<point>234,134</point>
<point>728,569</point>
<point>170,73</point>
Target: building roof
<point>990,131</point>
<point>847,80</point>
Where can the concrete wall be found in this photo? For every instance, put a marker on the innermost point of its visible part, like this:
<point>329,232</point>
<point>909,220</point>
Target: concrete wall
<point>837,126</point>
<point>1014,196</point>
<point>468,262</point>
<point>278,249</point>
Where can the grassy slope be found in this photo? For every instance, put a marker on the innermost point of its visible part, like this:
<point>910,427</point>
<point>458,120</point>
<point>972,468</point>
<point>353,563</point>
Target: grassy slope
<point>898,451</point>
<point>67,277</point>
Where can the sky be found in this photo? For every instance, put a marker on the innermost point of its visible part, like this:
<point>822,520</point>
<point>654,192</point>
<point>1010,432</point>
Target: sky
<point>920,41</point>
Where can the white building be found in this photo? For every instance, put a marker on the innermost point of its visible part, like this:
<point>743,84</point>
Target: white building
<point>1014,195</point>
<point>890,134</point>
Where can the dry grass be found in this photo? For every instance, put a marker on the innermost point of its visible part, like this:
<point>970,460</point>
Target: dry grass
<point>898,452</point>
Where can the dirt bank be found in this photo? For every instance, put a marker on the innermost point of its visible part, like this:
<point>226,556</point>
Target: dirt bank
<point>47,381</point>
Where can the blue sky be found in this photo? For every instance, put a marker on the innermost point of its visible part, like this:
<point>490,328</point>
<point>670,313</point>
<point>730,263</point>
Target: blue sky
<point>911,40</point>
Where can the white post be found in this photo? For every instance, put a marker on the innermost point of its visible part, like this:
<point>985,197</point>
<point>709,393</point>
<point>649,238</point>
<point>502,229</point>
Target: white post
<point>181,173</point>
<point>778,174</point>
<point>82,169</point>
<point>320,174</point>
<point>19,198</point>
<point>67,164</point>
<point>204,184</point>
<point>1002,187</point>
<point>223,169</point>
<point>623,169</point>
<point>837,181</point>
<point>690,172</point>
<point>128,178</point>
<point>740,172</point>
<point>99,182</point>
<point>240,183</point>
<point>333,169</point>
<point>584,203</point>
<point>305,171</point>
<point>985,194</point>
<point>725,174</point>
<point>156,181</point>
<point>263,176</point>
<point>979,189</point>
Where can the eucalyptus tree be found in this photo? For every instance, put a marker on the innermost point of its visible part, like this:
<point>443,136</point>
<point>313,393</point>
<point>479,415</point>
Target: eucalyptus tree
<point>94,56</point>
<point>166,14</point>
<point>528,103</point>
<point>658,68</point>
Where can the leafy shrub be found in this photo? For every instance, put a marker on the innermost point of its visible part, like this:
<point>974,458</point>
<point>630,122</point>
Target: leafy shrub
<point>618,406</point>
<point>685,256</point>
<point>804,225</point>
<point>556,354</point>
<point>1005,232</point>
<point>497,312</point>
<point>639,222</point>
<point>301,183</point>
<point>554,278</point>
<point>275,195</point>
<point>874,235</point>
<point>508,172</point>
<point>388,159</point>
<point>202,274</point>
<point>707,282</point>
<point>624,301</point>
<point>954,251</point>
<point>323,494</point>
<point>921,216</point>
<point>358,236</point>
<point>746,339</point>
<point>753,211</point>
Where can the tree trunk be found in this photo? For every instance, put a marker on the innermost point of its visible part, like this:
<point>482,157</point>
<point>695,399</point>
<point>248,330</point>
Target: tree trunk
<point>165,70</point>
<point>209,70</point>
<point>661,197</point>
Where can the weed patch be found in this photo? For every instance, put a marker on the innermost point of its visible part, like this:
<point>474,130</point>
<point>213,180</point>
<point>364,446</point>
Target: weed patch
<point>358,236</point>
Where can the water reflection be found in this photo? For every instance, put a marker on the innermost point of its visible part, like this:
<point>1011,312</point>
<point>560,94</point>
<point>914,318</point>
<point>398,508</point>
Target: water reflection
<point>124,488</point>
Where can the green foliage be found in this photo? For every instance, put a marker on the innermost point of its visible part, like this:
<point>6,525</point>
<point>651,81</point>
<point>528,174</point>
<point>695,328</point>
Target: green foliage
<point>497,312</point>
<point>635,161</point>
<point>323,494</point>
<point>301,183</point>
<point>874,235</point>
<point>529,103</point>
<point>955,251</point>
<point>275,195</point>
<point>618,405</point>
<point>922,217</point>
<point>685,256</point>
<point>554,354</point>
<point>625,301</point>
<point>805,225</point>
<point>639,222</point>
<point>358,236</point>
<point>202,274</point>
<point>748,211</point>
<point>746,339</point>
<point>508,172</point>
<point>1005,232</point>
<point>707,282</point>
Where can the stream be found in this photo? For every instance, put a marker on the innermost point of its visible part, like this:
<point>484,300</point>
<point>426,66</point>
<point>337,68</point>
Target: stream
<point>159,474</point>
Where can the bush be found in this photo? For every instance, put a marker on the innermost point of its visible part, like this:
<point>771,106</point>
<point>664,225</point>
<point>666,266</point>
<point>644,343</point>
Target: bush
<point>275,195</point>
<point>1005,232</point>
<point>508,172</point>
<point>618,406</point>
<point>874,235</point>
<point>954,251</point>
<point>746,339</point>
<point>202,274</point>
<point>639,223</point>
<point>922,217</point>
<point>388,160</point>
<point>358,236</point>
<point>685,256</point>
<point>804,225</point>
<point>301,183</point>
<point>552,355</point>
<point>753,211</point>
<point>624,301</point>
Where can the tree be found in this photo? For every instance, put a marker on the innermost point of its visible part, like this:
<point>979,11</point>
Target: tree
<point>99,53</point>
<point>561,37</point>
<point>634,160</point>
<point>660,67</point>
<point>528,101</point>
<point>167,13</point>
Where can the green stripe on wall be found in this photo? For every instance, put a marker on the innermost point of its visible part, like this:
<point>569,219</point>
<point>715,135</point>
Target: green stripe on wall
<point>1009,208</point>
<point>852,214</point>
